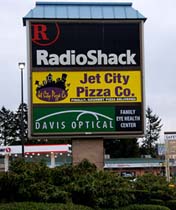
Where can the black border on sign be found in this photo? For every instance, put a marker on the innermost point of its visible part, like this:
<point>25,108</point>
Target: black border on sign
<point>106,135</point>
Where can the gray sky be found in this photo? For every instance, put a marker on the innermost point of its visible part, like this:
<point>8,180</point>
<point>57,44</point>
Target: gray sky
<point>160,55</point>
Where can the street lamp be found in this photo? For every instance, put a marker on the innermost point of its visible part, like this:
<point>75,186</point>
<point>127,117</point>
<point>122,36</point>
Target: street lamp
<point>21,66</point>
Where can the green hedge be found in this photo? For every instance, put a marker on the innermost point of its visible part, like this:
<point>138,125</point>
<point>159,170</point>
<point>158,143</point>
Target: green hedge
<point>81,185</point>
<point>41,206</point>
<point>46,206</point>
<point>156,202</point>
<point>171,204</point>
<point>141,196</point>
<point>145,207</point>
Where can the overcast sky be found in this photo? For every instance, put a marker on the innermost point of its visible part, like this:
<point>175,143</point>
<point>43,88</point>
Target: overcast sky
<point>160,55</point>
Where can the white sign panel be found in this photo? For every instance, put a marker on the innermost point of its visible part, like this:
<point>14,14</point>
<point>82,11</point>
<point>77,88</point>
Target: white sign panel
<point>169,136</point>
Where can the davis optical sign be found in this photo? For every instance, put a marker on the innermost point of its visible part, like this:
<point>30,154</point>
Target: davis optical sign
<point>85,78</point>
<point>84,119</point>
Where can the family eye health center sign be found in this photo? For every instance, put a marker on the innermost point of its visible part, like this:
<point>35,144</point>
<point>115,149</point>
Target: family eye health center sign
<point>85,78</point>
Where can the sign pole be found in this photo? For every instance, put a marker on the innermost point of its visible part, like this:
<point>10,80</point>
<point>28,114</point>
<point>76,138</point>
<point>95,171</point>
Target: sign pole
<point>6,162</point>
<point>167,167</point>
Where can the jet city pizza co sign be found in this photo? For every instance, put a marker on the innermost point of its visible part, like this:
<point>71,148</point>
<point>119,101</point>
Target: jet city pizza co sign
<point>77,87</point>
<point>75,63</point>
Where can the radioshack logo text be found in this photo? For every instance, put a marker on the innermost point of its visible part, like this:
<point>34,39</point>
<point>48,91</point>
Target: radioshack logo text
<point>93,57</point>
<point>42,36</point>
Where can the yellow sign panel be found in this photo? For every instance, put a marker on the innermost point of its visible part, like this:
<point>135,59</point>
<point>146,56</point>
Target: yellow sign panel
<point>86,87</point>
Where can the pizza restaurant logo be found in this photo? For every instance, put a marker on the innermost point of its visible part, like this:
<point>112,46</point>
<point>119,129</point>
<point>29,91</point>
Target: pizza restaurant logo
<point>52,90</point>
<point>45,34</point>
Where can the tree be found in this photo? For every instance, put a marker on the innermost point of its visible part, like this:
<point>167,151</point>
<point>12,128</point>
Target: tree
<point>18,121</point>
<point>10,125</point>
<point>153,128</point>
<point>122,148</point>
<point>7,126</point>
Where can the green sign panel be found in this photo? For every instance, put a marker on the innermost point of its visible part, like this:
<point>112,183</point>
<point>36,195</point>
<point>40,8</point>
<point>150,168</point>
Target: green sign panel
<point>85,120</point>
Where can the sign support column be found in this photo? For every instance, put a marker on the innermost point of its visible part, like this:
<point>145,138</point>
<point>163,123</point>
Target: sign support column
<point>90,149</point>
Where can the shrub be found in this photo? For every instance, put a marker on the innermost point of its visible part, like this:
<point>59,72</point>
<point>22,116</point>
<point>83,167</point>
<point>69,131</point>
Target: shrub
<point>156,186</point>
<point>38,171</point>
<point>141,196</point>
<point>81,184</point>
<point>171,204</point>
<point>45,192</point>
<point>156,202</point>
<point>9,185</point>
<point>85,167</point>
<point>62,175</point>
<point>144,207</point>
<point>41,206</point>
<point>150,183</point>
<point>163,194</point>
<point>101,189</point>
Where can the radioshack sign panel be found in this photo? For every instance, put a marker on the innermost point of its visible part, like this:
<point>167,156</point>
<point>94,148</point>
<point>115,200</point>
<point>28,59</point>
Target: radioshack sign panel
<point>61,45</point>
<point>86,79</point>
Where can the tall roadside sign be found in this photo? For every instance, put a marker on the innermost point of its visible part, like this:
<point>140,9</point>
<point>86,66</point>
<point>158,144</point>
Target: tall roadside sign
<point>170,151</point>
<point>85,70</point>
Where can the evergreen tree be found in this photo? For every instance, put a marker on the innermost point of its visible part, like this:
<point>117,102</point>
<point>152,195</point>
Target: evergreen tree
<point>7,126</point>
<point>10,125</point>
<point>122,148</point>
<point>18,120</point>
<point>153,128</point>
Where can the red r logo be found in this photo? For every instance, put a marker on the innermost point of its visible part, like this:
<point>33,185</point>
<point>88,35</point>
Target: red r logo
<point>40,32</point>
<point>8,149</point>
<point>45,34</point>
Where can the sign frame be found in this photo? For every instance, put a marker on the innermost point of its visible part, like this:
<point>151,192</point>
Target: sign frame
<point>106,135</point>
